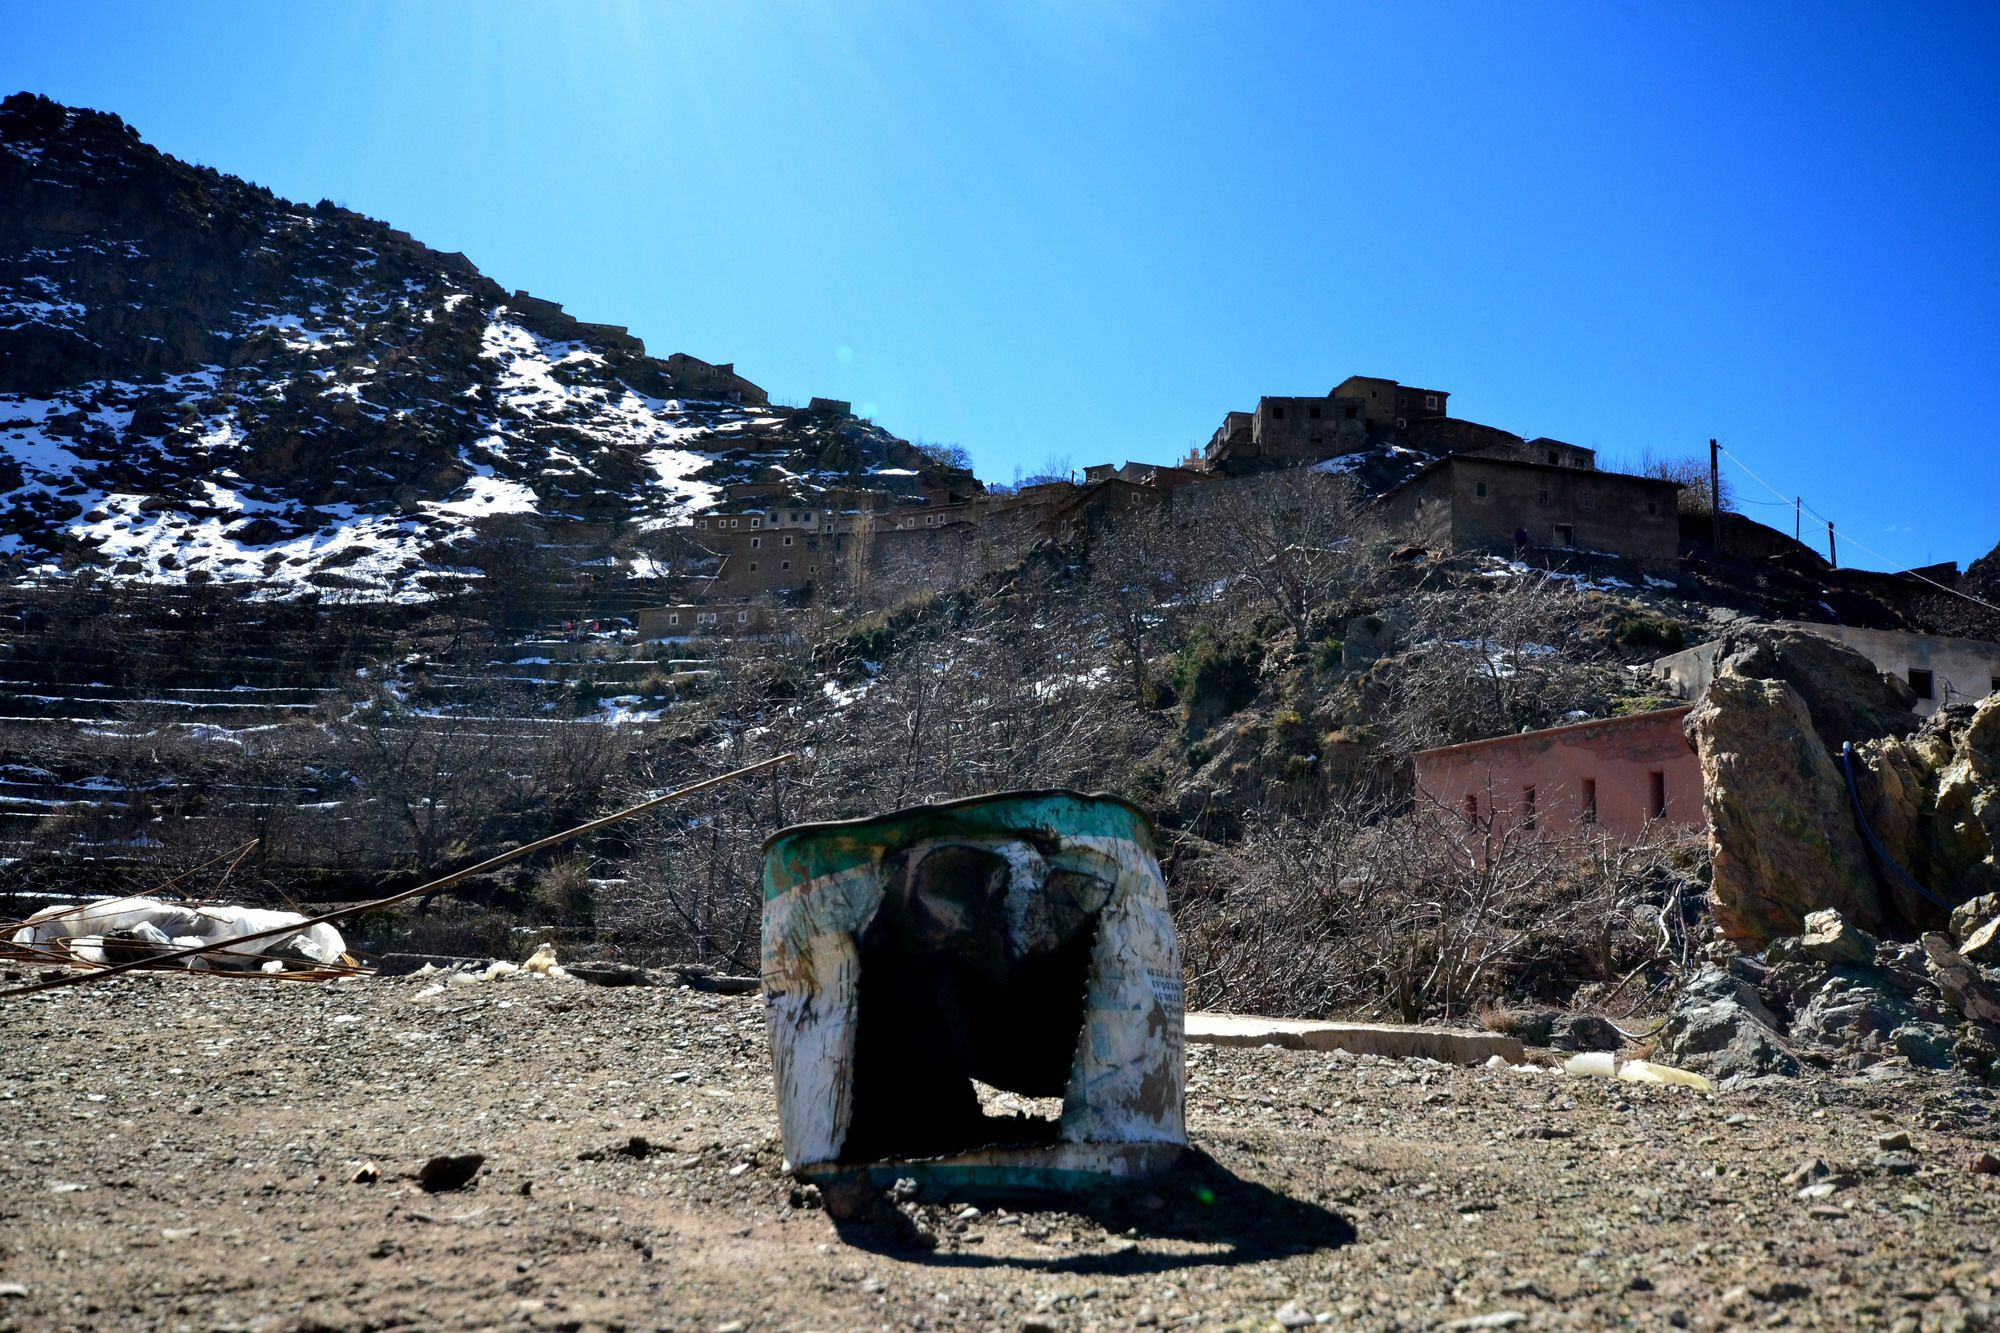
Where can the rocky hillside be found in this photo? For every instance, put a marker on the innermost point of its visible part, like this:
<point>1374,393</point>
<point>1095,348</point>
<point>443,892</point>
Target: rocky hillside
<point>200,380</point>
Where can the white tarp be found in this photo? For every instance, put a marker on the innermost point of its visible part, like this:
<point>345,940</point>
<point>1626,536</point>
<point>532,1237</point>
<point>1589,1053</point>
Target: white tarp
<point>117,928</point>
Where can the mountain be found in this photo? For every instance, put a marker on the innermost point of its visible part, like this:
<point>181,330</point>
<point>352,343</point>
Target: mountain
<point>200,380</point>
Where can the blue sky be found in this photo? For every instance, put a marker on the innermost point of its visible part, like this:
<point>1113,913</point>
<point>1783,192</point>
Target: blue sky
<point>1086,228</point>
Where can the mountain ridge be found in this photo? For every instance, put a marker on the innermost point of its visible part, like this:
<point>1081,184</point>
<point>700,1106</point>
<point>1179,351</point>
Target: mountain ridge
<point>200,379</point>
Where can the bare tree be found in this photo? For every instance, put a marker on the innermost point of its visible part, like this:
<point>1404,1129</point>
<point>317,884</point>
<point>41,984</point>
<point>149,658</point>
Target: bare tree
<point>1149,577</point>
<point>1692,472</point>
<point>1289,535</point>
<point>1488,661</point>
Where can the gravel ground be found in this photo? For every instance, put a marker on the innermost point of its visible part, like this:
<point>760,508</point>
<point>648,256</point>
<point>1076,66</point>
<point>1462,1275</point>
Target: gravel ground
<point>182,1153</point>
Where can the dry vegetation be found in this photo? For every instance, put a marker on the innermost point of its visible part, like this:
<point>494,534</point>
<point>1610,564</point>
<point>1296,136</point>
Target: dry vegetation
<point>1251,664</point>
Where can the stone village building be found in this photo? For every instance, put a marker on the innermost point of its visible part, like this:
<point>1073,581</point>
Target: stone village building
<point>701,619</point>
<point>1473,502</point>
<point>1492,485</point>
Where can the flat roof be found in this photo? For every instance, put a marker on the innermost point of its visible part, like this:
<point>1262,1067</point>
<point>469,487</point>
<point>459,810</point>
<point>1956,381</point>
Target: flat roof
<point>1484,460</point>
<point>1629,719</point>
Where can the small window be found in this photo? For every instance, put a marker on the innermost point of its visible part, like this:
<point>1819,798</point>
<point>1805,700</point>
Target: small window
<point>742,617</point>
<point>1552,458</point>
<point>1565,535</point>
<point>1479,489</point>
<point>756,542</point>
<point>1400,423</point>
<point>1652,506</point>
<point>1430,402</point>
<point>1590,800</point>
<point>755,522</point>
<point>753,566</point>
<point>788,541</point>
<point>1542,496</point>
<point>787,564</point>
<point>1527,807</point>
<point>1351,414</point>
<point>732,522</point>
<point>1923,683</point>
<point>1277,413</point>
<point>1313,412</point>
<point>673,617</point>
<point>1656,795</point>
<point>701,522</point>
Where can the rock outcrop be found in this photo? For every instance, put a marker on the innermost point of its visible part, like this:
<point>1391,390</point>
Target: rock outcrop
<point>1933,799</point>
<point>1835,998</point>
<point>1846,697</point>
<point>1784,840</point>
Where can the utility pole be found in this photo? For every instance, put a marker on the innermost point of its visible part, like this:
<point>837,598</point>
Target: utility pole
<point>1714,498</point>
<point>1798,514</point>
<point>1832,552</point>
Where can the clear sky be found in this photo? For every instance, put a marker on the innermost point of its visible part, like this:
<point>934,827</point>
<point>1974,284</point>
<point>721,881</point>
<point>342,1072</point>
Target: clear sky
<point>1087,228</point>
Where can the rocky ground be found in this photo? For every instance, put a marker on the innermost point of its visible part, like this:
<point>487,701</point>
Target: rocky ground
<point>195,1153</point>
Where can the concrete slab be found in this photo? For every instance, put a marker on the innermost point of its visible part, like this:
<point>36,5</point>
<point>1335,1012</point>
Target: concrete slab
<point>1447,1044</point>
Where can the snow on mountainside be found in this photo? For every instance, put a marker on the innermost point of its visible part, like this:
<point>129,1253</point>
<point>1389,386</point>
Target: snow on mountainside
<point>199,380</point>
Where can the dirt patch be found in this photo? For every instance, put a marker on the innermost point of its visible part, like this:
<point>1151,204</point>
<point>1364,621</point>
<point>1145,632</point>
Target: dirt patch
<point>184,1153</point>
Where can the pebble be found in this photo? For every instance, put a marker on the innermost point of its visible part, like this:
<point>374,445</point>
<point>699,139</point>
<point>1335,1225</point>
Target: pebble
<point>1293,1315</point>
<point>1896,1163</point>
<point>1896,1142</point>
<point>1986,1164</point>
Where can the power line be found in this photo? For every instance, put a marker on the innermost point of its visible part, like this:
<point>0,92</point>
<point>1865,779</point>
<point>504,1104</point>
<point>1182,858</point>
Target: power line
<point>1907,573</point>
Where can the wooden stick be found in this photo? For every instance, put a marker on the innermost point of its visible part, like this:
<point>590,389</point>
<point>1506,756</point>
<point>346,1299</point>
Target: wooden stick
<point>238,852</point>
<point>491,863</point>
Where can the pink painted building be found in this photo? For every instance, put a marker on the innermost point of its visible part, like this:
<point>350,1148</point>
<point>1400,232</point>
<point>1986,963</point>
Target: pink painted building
<point>1620,774</point>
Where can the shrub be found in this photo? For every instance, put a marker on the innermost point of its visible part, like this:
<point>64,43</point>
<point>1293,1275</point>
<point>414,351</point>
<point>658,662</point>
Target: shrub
<point>564,896</point>
<point>1216,677</point>
<point>1649,633</point>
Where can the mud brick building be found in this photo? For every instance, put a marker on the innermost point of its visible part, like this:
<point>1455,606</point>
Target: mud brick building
<point>1479,503</point>
<point>1383,402</point>
<point>691,619</point>
<point>1625,776</point>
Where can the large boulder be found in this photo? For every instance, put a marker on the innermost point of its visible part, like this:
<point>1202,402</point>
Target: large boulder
<point>1722,1027</point>
<point>1846,697</point>
<point>1782,841</point>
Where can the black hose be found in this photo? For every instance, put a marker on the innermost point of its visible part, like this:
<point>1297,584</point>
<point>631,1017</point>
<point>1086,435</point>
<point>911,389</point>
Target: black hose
<point>1868,834</point>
